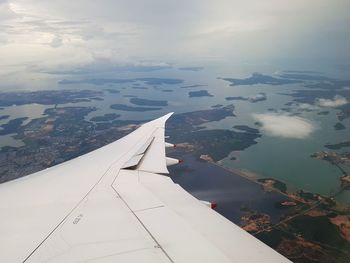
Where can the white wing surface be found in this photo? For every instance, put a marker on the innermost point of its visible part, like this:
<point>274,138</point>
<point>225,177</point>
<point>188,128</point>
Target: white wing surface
<point>114,205</point>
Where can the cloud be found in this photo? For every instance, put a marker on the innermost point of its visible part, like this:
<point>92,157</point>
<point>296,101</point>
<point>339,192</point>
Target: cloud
<point>181,32</point>
<point>285,126</point>
<point>56,42</point>
<point>332,103</point>
<point>307,107</point>
<point>6,11</point>
<point>258,97</point>
<point>105,65</point>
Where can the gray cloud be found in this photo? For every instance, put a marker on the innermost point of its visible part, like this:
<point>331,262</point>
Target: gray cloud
<point>57,41</point>
<point>129,32</point>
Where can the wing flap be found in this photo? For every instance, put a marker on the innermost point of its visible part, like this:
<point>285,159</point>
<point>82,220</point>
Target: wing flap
<point>179,240</point>
<point>101,229</point>
<point>233,241</point>
<point>133,193</point>
<point>154,160</point>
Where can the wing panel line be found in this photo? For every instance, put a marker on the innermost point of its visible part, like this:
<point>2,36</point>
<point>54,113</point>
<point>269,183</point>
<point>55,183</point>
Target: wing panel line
<point>85,196</point>
<point>142,224</point>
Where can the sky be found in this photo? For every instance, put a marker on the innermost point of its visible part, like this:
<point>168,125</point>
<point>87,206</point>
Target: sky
<point>84,36</point>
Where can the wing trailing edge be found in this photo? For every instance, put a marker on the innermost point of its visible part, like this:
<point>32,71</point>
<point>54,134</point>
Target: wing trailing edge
<point>151,156</point>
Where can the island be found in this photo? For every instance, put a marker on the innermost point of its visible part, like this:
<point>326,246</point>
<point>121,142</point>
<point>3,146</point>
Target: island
<point>48,97</point>
<point>122,107</point>
<point>217,106</point>
<point>147,102</point>
<point>323,113</point>
<point>191,68</point>
<point>193,86</point>
<point>199,93</point>
<point>259,97</point>
<point>339,126</point>
<point>95,81</point>
<point>138,87</point>
<point>271,184</point>
<point>338,146</point>
<point>258,78</point>
<point>4,117</point>
<point>236,98</point>
<point>160,81</point>
<point>12,126</point>
<point>104,81</point>
<point>112,91</point>
<point>344,111</point>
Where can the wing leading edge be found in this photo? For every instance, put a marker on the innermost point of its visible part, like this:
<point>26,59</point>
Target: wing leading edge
<point>114,205</point>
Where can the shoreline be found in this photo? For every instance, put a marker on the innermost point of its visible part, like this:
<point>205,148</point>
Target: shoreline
<point>249,175</point>
<point>254,177</point>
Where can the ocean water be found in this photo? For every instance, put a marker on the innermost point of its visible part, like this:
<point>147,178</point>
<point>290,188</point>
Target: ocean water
<point>233,193</point>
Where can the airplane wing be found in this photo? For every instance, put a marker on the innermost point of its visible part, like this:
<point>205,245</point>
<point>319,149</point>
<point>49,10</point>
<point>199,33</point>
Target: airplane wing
<point>116,205</point>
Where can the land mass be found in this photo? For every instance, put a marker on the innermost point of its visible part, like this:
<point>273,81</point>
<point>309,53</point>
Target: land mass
<point>122,107</point>
<point>191,68</point>
<point>258,78</point>
<point>147,102</point>
<point>259,97</point>
<point>339,126</point>
<point>199,93</point>
<point>338,146</point>
<point>48,97</point>
<point>193,86</point>
<point>104,81</point>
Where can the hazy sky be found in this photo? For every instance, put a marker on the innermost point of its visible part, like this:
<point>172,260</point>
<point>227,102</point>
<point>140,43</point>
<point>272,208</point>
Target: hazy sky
<point>65,35</point>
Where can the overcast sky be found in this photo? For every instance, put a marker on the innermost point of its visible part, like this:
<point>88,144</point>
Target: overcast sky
<point>62,35</point>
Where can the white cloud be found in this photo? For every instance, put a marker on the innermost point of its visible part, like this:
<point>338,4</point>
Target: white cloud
<point>306,106</point>
<point>258,97</point>
<point>285,126</point>
<point>332,103</point>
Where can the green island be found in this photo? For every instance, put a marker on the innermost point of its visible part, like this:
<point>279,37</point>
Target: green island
<point>337,146</point>
<point>258,78</point>
<point>12,126</point>
<point>339,126</point>
<point>147,102</point>
<point>123,107</point>
<point>344,112</point>
<point>4,117</point>
<point>199,93</point>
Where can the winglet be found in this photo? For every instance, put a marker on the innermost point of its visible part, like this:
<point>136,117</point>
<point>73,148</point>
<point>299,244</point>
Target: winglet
<point>152,158</point>
<point>160,122</point>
